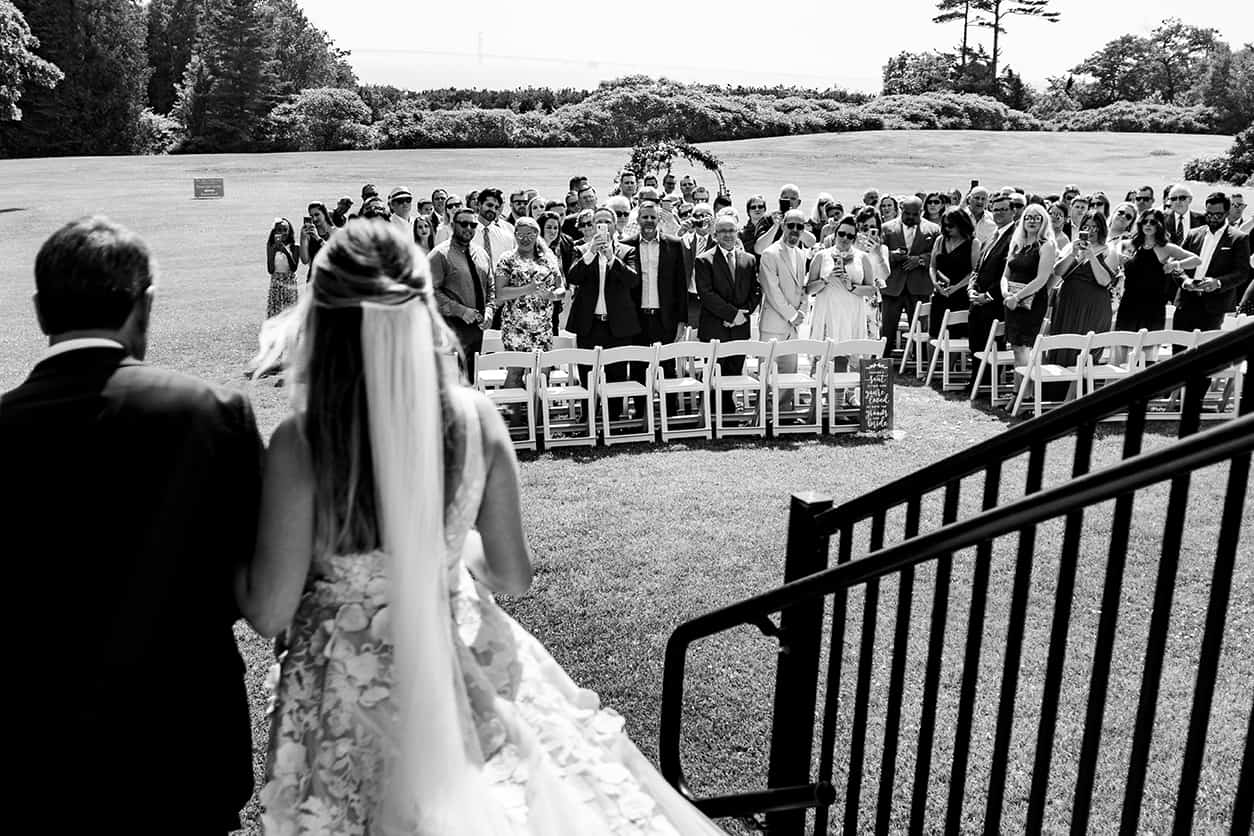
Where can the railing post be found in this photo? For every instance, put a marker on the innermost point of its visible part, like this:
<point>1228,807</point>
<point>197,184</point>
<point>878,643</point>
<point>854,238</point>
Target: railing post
<point>797,669</point>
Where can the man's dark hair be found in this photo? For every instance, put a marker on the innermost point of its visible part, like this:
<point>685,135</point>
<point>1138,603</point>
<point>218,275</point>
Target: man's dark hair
<point>586,189</point>
<point>575,181</point>
<point>485,194</point>
<point>89,275</point>
<point>1219,197</point>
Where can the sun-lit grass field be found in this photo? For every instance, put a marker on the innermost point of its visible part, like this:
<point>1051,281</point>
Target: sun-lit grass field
<point>630,542</point>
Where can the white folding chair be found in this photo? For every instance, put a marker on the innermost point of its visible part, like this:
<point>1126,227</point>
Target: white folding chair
<point>842,384</point>
<point>1099,370</point>
<point>487,367</point>
<point>1039,372</point>
<point>945,347</point>
<point>641,427</point>
<point>807,418</point>
<point>917,338</point>
<point>1225,384</point>
<point>690,385</point>
<point>491,377</point>
<point>994,360</point>
<point>750,383</point>
<point>1170,339</point>
<point>558,400</point>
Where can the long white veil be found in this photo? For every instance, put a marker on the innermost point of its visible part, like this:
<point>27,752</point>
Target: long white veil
<point>438,782</point>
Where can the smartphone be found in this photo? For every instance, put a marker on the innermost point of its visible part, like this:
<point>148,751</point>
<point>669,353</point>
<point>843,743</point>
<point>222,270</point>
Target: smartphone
<point>1084,236</point>
<point>975,183</point>
<point>785,205</point>
<point>602,227</point>
<point>306,221</point>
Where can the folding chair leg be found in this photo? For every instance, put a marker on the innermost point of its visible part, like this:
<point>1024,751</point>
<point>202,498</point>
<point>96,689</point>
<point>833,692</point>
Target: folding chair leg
<point>1023,391</point>
<point>931,367</point>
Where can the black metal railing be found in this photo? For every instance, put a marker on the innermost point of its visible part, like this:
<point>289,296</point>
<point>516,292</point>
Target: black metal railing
<point>792,786</point>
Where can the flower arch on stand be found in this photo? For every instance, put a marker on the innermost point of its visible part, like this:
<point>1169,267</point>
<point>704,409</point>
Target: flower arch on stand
<point>658,155</point>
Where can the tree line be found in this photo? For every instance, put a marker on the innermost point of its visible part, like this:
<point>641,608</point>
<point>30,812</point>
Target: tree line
<point>81,77</point>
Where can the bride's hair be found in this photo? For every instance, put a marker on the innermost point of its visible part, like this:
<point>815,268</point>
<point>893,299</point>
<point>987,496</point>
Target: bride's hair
<point>367,261</point>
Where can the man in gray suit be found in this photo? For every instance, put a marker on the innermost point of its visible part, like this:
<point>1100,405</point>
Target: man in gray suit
<point>782,275</point>
<point>909,240</point>
<point>461,277</point>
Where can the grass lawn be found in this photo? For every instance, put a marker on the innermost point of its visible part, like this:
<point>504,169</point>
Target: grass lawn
<point>630,542</point>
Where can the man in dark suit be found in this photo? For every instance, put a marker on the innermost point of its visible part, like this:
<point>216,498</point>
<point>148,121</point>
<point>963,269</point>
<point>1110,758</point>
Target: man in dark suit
<point>662,299</point>
<point>984,290</point>
<point>909,240</point>
<point>1180,219</point>
<point>696,241</point>
<point>1212,290</point>
<point>727,282</point>
<point>604,312</point>
<point>130,495</point>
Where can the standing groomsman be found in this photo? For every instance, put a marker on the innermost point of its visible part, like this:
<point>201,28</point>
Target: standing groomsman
<point>984,291</point>
<point>662,299</point>
<point>727,282</point>
<point>782,275</point>
<point>1215,285</point>
<point>909,240</point>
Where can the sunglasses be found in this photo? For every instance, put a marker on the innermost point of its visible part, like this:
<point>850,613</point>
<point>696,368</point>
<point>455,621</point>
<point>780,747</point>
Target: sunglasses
<point>847,236</point>
<point>794,226</point>
<point>622,214</point>
<point>758,207</point>
<point>1145,199</point>
<point>583,225</point>
<point>467,224</point>
<point>933,203</point>
<point>1127,216</point>
<point>1179,198</point>
<point>403,200</point>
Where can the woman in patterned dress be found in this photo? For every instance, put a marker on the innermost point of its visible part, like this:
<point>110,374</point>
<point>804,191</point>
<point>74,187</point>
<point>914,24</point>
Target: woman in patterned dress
<point>282,258</point>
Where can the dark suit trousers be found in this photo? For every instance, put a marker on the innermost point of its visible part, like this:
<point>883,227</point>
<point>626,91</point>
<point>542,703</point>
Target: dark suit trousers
<point>892,308</point>
<point>1188,317</point>
<point>980,323</point>
<point>471,339</point>
<point>599,335</point>
<point>694,309</point>
<point>653,332</point>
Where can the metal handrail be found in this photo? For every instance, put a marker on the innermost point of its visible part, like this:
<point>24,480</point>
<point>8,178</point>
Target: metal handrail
<point>1222,351</point>
<point>1225,441</point>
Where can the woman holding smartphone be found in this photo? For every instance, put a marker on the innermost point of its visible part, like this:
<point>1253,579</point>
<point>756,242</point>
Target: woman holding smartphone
<point>282,259</point>
<point>1088,270</point>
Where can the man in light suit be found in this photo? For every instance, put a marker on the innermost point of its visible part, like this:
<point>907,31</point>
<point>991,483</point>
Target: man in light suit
<point>1215,285</point>
<point>727,282</point>
<point>782,275</point>
<point>130,497</point>
<point>909,240</point>
<point>695,242</point>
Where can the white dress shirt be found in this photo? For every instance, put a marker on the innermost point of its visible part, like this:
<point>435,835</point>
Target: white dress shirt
<point>908,233</point>
<point>1209,244</point>
<point>66,346</point>
<point>649,255</point>
<point>496,238</point>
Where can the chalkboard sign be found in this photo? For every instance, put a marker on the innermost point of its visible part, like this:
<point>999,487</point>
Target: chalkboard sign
<point>875,412</point>
<point>208,188</point>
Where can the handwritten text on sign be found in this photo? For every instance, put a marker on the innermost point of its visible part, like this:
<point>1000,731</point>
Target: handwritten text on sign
<point>208,188</point>
<point>875,414</point>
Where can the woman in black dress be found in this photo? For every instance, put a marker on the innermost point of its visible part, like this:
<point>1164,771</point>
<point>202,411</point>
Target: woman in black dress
<point>1087,270</point>
<point>1146,286</point>
<point>1028,268</point>
<point>954,258</point>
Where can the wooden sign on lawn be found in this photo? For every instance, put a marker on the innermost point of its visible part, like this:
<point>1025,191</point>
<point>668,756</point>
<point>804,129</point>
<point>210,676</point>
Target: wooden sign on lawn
<point>208,188</point>
<point>875,411</point>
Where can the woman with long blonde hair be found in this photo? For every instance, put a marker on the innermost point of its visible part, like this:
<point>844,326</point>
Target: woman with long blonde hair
<point>408,702</point>
<point>1023,283</point>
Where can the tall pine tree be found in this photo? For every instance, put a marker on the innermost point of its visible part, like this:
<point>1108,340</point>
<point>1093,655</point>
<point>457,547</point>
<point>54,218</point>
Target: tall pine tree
<point>99,45</point>
<point>230,83</point>
<point>996,12</point>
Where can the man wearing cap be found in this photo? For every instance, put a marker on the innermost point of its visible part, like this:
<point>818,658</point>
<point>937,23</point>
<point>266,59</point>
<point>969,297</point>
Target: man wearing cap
<point>401,203</point>
<point>340,214</point>
<point>782,275</point>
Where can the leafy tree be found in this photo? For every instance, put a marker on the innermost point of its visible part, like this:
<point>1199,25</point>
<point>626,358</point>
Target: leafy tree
<point>911,73</point>
<point>99,46</point>
<point>1228,88</point>
<point>1180,52</point>
<point>322,119</point>
<point>173,26</point>
<point>227,94</point>
<point>1015,92</point>
<point>305,55</point>
<point>1122,71</point>
<point>19,65</point>
<point>996,12</point>
<point>968,11</point>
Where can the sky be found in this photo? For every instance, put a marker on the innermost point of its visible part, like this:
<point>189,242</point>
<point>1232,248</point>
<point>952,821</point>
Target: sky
<point>494,44</point>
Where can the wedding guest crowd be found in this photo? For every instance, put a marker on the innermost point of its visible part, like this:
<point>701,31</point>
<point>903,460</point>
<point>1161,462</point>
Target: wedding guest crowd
<point>643,263</point>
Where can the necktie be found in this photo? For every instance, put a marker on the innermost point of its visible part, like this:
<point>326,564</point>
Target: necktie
<point>487,243</point>
<point>474,279</point>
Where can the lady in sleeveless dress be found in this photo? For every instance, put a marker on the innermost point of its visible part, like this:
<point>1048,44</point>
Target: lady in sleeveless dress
<point>1023,283</point>
<point>841,280</point>
<point>408,702</point>
<point>1146,286</point>
<point>282,260</point>
<point>954,259</point>
<point>1087,271</point>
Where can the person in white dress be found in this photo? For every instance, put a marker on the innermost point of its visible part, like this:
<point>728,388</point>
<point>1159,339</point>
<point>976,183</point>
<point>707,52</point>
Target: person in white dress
<point>841,279</point>
<point>408,702</point>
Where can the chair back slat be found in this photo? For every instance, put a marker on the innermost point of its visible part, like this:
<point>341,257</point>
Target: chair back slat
<point>505,360</point>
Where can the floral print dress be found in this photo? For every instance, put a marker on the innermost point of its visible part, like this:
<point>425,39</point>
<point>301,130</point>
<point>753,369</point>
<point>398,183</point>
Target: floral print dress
<point>527,322</point>
<point>553,758</point>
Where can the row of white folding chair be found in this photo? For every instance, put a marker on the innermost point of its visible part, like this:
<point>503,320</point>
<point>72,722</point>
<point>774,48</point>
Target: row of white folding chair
<point>946,347</point>
<point>917,338</point>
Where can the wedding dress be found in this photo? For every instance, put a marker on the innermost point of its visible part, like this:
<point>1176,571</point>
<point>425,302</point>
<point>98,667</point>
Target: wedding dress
<point>501,740</point>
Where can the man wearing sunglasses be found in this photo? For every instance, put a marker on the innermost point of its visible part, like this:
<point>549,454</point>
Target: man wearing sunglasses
<point>695,242</point>
<point>1217,282</point>
<point>782,275</point>
<point>1180,220</point>
<point>462,280</point>
<point>909,240</point>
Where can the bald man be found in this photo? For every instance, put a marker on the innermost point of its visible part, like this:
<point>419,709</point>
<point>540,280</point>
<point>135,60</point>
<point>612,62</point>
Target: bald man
<point>909,239</point>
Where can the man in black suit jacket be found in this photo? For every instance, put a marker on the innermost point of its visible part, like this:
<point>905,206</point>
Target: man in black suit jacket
<point>985,287</point>
<point>604,311</point>
<point>662,298</point>
<point>1212,290</point>
<point>909,240</point>
<point>130,495</point>
<point>1181,221</point>
<point>727,282</point>
<point>696,241</point>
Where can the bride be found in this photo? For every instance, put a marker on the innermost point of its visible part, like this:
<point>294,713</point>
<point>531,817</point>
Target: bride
<point>408,702</point>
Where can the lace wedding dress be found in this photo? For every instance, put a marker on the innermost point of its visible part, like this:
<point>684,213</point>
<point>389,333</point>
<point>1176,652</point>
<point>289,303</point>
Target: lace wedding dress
<point>551,759</point>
